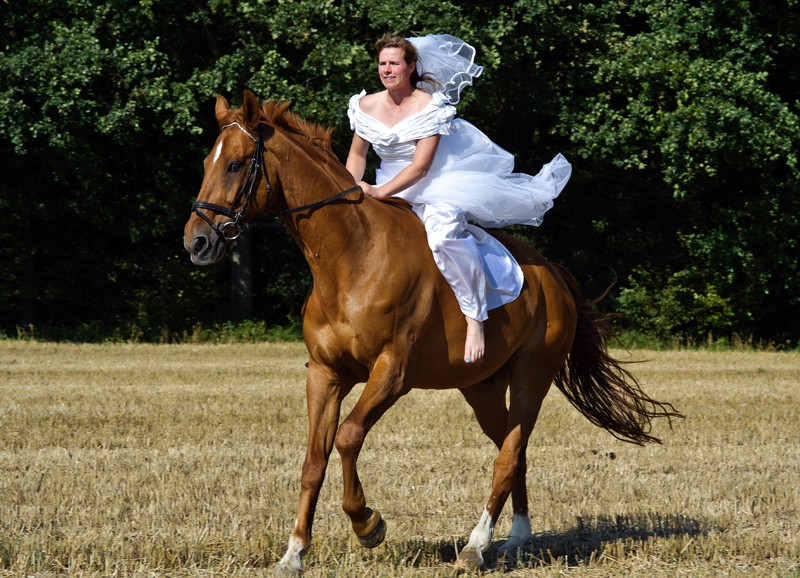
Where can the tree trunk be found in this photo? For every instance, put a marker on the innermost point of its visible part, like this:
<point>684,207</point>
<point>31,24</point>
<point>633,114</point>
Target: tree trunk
<point>242,276</point>
<point>29,312</point>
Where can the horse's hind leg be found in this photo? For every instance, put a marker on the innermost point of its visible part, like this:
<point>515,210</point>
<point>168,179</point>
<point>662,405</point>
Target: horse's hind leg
<point>489,404</point>
<point>531,377</point>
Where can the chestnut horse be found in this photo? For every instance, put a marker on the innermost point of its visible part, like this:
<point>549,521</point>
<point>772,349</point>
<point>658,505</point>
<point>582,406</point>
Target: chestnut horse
<point>379,311</point>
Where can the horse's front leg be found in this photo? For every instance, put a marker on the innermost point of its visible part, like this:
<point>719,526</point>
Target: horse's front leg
<point>384,388</point>
<point>324,393</point>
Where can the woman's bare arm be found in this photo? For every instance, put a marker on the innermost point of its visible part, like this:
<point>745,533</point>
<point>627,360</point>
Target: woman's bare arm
<point>357,158</point>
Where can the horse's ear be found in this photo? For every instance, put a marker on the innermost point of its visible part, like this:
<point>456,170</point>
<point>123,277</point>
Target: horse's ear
<point>251,112</point>
<point>222,108</point>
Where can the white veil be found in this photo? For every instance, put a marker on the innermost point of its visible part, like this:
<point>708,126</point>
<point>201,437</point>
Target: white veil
<point>449,60</point>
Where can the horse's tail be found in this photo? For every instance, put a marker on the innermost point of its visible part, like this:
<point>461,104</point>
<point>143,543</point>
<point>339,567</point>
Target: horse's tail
<point>597,384</point>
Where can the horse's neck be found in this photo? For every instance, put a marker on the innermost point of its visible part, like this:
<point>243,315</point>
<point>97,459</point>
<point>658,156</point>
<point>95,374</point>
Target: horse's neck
<point>337,238</point>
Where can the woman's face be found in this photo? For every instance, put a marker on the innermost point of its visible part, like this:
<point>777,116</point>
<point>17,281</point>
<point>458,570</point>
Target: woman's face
<point>393,69</point>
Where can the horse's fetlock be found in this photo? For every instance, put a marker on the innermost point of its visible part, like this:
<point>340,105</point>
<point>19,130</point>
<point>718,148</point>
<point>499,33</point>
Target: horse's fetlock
<point>291,563</point>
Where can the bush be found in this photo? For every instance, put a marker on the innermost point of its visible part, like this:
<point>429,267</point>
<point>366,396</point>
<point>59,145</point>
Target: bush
<point>685,304</point>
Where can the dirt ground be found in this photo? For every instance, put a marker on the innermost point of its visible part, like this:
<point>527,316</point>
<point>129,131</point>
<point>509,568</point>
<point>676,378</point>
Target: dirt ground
<point>184,460</point>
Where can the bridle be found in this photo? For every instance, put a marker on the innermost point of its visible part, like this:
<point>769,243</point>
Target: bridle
<point>232,229</point>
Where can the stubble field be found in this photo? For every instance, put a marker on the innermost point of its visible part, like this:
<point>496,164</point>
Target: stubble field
<point>184,460</point>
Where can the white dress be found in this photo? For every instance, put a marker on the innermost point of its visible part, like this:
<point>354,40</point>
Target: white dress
<point>471,179</point>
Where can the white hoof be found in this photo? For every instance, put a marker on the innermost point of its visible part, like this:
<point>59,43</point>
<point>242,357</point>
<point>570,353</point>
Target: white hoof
<point>520,533</point>
<point>281,571</point>
<point>511,546</point>
<point>469,560</point>
<point>291,564</point>
<point>471,557</point>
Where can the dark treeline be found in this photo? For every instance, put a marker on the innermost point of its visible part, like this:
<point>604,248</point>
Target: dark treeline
<point>680,118</point>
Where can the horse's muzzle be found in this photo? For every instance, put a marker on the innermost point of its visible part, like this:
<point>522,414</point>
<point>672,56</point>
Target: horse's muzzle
<point>205,249</point>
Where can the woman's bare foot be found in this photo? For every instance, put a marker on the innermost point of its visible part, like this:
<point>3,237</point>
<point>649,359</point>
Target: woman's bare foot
<point>473,350</point>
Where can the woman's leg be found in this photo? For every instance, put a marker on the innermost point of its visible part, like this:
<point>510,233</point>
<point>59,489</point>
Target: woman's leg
<point>457,256</point>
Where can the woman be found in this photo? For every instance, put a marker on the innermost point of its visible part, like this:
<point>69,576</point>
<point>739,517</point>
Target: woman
<point>448,170</point>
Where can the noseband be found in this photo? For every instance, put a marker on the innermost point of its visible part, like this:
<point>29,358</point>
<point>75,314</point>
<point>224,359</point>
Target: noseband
<point>232,229</point>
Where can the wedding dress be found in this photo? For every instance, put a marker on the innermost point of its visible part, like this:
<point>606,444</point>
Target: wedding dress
<point>471,179</point>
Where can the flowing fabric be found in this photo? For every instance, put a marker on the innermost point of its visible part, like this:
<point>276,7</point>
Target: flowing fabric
<point>450,61</point>
<point>479,269</point>
<point>471,179</point>
<point>469,171</point>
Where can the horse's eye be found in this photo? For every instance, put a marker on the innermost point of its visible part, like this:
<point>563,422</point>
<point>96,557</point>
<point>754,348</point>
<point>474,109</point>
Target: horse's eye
<point>235,167</point>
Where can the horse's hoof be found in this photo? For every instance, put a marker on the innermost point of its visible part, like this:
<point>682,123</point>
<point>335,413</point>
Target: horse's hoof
<point>283,571</point>
<point>375,536</point>
<point>469,560</point>
<point>510,550</point>
<point>508,556</point>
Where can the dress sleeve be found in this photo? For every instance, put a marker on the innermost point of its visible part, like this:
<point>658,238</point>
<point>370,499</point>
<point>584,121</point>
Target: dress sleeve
<point>352,108</point>
<point>360,122</point>
<point>436,118</point>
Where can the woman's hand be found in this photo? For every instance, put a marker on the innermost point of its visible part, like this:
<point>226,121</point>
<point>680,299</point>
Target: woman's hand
<point>370,190</point>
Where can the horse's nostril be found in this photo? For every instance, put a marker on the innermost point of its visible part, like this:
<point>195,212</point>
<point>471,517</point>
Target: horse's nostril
<point>199,244</point>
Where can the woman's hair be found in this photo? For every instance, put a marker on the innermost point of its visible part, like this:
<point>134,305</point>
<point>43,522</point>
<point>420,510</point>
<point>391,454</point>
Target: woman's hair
<point>394,40</point>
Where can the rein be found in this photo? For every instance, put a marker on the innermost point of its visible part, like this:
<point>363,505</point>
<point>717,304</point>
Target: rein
<point>232,229</point>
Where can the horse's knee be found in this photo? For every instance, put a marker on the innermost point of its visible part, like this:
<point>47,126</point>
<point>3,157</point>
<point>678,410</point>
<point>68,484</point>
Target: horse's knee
<point>349,439</point>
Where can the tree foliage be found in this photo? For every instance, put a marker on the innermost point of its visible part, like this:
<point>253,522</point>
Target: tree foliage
<point>680,118</point>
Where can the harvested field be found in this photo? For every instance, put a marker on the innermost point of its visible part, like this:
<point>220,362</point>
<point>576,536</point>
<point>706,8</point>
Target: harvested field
<point>184,460</point>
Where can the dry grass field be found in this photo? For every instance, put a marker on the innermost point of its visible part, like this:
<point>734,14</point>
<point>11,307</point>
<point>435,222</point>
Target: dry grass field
<point>184,460</point>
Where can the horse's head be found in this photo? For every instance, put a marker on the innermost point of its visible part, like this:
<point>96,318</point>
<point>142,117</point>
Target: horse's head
<point>235,185</point>
<point>257,146</point>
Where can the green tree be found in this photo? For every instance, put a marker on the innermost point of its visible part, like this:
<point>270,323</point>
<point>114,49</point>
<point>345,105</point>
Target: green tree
<point>698,100</point>
<point>680,118</point>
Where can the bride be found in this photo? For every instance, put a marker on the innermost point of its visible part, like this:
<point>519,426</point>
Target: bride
<point>448,170</point>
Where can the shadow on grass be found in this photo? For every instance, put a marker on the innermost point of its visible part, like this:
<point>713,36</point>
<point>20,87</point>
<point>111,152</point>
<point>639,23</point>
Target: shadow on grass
<point>587,540</point>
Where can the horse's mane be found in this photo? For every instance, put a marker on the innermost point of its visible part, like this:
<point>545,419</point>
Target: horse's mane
<point>278,115</point>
